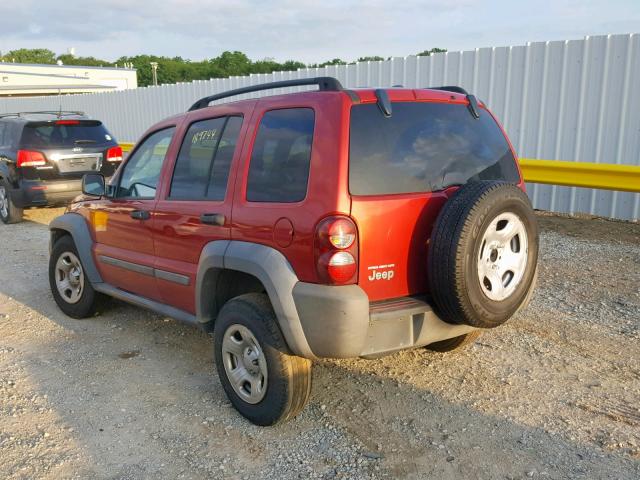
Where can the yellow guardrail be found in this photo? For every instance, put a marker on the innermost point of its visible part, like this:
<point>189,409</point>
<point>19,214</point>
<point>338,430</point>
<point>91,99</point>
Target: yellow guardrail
<point>605,176</point>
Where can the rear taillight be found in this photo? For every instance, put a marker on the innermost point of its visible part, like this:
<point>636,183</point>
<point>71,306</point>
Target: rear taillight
<point>29,158</point>
<point>114,154</point>
<point>336,250</point>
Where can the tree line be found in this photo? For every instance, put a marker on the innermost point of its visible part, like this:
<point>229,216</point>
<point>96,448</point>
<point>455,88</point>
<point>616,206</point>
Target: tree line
<point>178,69</point>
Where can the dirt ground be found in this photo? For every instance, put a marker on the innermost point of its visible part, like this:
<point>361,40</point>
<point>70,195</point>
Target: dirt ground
<point>553,394</point>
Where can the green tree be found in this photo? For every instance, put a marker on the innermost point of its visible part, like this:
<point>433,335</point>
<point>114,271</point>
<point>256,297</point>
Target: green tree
<point>30,55</point>
<point>428,53</point>
<point>375,58</point>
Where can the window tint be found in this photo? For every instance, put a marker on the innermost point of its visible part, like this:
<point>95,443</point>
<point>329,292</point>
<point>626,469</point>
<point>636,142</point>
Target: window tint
<point>139,178</point>
<point>279,169</point>
<point>424,147</point>
<point>48,134</point>
<point>4,137</point>
<point>202,167</point>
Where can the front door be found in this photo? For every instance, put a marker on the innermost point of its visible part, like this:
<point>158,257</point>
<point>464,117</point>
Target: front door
<point>123,222</point>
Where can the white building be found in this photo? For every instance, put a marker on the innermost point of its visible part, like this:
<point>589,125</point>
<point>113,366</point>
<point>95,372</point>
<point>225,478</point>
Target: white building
<point>19,79</point>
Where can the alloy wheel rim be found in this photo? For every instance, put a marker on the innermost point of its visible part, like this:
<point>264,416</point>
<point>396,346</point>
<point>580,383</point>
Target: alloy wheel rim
<point>4,207</point>
<point>69,277</point>
<point>244,363</point>
<point>502,256</point>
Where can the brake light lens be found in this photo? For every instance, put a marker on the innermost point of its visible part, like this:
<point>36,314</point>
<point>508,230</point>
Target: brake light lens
<point>114,154</point>
<point>29,158</point>
<point>67,122</point>
<point>336,250</point>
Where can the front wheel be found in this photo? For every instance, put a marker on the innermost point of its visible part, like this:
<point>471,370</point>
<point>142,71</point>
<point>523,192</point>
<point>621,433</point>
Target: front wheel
<point>263,381</point>
<point>70,287</point>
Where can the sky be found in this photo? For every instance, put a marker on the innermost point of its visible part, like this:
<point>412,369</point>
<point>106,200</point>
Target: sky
<point>304,30</point>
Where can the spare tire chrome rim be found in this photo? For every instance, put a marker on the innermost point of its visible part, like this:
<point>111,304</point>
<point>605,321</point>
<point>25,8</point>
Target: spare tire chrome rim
<point>502,257</point>
<point>69,277</point>
<point>244,363</point>
<point>4,203</point>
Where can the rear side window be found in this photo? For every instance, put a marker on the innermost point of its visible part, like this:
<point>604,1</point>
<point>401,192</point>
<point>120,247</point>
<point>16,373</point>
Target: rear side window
<point>202,167</point>
<point>56,134</point>
<point>424,147</point>
<point>279,170</point>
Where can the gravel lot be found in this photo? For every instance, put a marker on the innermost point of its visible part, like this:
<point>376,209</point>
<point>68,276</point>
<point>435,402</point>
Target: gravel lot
<point>128,394</point>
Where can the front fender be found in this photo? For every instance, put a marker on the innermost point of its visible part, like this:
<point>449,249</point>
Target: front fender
<point>77,227</point>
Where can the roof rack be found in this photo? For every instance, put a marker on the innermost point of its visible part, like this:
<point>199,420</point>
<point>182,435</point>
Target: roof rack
<point>451,88</point>
<point>59,113</point>
<point>325,84</point>
<point>473,101</point>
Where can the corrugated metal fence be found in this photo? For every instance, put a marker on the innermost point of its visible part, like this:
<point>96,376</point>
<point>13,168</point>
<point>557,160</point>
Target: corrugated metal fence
<point>576,100</point>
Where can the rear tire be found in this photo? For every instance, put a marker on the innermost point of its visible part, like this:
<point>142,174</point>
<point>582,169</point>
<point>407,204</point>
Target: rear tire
<point>454,343</point>
<point>262,379</point>
<point>70,287</point>
<point>9,213</point>
<point>483,254</point>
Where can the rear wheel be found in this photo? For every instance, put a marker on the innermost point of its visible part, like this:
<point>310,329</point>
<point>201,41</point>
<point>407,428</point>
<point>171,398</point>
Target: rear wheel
<point>262,379</point>
<point>454,343</point>
<point>70,287</point>
<point>9,213</point>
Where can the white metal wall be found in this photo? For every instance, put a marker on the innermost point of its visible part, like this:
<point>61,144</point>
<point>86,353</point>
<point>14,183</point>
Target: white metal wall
<point>576,100</point>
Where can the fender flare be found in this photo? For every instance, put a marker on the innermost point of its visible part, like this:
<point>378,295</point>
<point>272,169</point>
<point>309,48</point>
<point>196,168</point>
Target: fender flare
<point>270,267</point>
<point>77,227</point>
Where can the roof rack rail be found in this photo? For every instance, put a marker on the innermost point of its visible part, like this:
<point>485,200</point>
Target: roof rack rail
<point>473,101</point>
<point>59,113</point>
<point>325,84</point>
<point>451,88</point>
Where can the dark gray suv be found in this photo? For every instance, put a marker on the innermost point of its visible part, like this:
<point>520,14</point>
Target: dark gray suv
<point>43,156</point>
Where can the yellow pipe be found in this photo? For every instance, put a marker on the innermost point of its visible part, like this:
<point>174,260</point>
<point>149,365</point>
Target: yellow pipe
<point>606,176</point>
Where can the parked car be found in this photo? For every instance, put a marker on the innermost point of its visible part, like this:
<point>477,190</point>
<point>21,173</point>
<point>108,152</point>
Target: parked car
<point>333,223</point>
<point>43,156</point>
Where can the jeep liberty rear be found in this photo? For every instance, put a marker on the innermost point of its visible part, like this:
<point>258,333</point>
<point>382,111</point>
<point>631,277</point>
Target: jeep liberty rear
<point>331,223</point>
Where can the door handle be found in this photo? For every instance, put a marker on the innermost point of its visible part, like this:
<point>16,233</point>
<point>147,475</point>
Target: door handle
<point>212,219</point>
<point>140,215</point>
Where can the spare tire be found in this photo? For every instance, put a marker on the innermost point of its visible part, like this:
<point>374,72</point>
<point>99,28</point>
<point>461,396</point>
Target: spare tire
<point>483,254</point>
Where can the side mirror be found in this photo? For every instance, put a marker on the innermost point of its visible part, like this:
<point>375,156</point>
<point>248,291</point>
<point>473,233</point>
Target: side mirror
<point>93,184</point>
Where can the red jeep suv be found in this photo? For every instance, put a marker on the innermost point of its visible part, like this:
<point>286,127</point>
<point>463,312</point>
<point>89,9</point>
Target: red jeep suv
<point>330,223</point>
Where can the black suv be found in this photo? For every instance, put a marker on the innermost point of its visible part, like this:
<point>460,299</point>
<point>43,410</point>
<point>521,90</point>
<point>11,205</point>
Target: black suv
<point>43,156</point>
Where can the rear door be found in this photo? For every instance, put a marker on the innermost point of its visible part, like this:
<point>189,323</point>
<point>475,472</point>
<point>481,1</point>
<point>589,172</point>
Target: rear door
<point>401,171</point>
<point>195,205</point>
<point>123,222</point>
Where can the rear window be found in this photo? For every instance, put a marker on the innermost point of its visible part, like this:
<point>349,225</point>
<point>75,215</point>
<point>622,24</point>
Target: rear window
<point>424,147</point>
<point>51,134</point>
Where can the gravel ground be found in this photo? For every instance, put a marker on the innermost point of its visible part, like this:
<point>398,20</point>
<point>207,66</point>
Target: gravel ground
<point>128,394</point>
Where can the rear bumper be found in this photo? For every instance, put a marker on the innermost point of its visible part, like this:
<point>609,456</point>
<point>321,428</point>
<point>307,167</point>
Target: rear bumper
<point>33,193</point>
<point>339,322</point>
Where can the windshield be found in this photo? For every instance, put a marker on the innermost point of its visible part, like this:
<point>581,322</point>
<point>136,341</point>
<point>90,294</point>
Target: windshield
<point>51,134</point>
<point>424,147</point>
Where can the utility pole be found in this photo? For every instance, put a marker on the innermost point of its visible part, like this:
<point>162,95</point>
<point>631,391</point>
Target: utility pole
<point>154,72</point>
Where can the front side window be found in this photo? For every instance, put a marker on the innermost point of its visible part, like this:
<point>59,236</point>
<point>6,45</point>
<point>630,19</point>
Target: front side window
<point>141,173</point>
<point>424,147</point>
<point>202,167</point>
<point>279,169</point>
